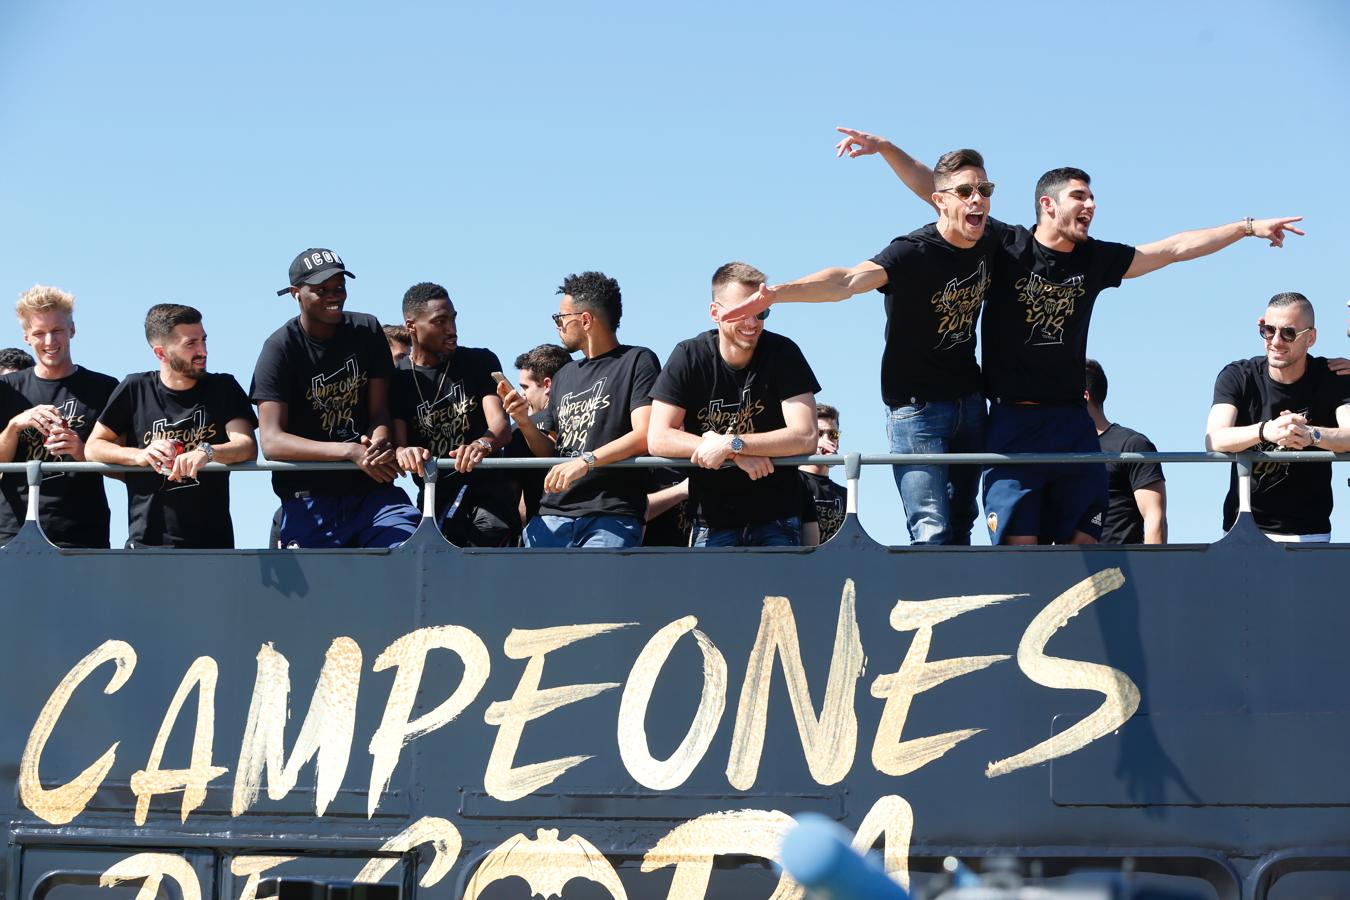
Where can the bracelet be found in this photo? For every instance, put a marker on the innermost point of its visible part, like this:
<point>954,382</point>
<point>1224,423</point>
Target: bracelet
<point>1261,432</point>
<point>485,444</point>
<point>1248,230</point>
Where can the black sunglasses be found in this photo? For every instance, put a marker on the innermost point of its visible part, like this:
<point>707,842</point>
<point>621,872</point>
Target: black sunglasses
<point>1288,332</point>
<point>966,191</point>
<point>762,315</point>
<point>558,317</point>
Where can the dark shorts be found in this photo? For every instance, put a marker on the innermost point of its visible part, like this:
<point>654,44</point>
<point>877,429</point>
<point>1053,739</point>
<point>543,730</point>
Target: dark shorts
<point>382,517</point>
<point>1049,502</point>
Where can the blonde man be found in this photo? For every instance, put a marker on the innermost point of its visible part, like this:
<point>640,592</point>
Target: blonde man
<point>49,412</point>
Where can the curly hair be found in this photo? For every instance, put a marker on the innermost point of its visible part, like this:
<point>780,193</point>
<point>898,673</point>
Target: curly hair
<point>543,361</point>
<point>13,359</point>
<point>597,293</point>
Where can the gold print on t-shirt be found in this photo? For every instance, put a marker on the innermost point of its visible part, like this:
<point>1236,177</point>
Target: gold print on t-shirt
<point>730,418</point>
<point>334,397</point>
<point>444,422</point>
<point>192,430</point>
<point>1049,305</point>
<point>35,442</point>
<point>957,305</point>
<point>576,415</point>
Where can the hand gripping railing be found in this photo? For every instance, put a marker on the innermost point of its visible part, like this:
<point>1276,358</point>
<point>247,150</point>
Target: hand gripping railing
<point>852,463</point>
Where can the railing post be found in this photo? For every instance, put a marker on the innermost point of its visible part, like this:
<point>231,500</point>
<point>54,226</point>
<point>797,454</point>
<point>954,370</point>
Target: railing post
<point>34,488</point>
<point>852,471</point>
<point>429,489</point>
<point>1244,476</point>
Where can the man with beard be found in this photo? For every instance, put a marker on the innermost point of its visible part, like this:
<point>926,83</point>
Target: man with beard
<point>446,406</point>
<point>597,414</point>
<point>49,412</point>
<point>744,395</point>
<point>175,421</point>
<point>830,499</point>
<point>1284,400</point>
<point>934,282</point>
<point>1035,330</point>
<point>322,389</point>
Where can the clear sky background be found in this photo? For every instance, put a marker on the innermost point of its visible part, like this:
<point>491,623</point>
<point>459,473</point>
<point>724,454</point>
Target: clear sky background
<point>163,151</point>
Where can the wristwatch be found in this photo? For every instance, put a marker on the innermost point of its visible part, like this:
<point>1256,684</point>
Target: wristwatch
<point>737,445</point>
<point>589,458</point>
<point>208,450</point>
<point>1316,436</point>
<point>485,444</point>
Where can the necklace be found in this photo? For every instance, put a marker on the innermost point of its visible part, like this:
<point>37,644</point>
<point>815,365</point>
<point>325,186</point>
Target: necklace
<point>417,383</point>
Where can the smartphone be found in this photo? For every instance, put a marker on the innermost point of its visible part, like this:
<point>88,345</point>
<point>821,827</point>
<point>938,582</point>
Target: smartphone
<point>502,379</point>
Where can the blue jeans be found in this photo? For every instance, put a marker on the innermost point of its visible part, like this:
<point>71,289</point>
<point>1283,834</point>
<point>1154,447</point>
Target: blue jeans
<point>583,531</point>
<point>381,517</point>
<point>939,500</point>
<point>778,533</point>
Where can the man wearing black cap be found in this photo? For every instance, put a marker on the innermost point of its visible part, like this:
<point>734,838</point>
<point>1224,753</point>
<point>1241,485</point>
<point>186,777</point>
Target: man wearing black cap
<point>322,389</point>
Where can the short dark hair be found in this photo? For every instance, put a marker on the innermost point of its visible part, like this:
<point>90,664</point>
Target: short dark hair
<point>956,160</point>
<point>398,334</point>
<point>826,411</point>
<point>1049,184</point>
<point>597,293</point>
<point>15,359</point>
<point>1096,382</point>
<point>416,298</point>
<point>737,273</point>
<point>543,361</point>
<point>162,318</point>
<point>1293,298</point>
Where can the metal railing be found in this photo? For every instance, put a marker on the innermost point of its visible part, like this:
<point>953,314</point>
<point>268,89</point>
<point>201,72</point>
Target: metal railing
<point>852,463</point>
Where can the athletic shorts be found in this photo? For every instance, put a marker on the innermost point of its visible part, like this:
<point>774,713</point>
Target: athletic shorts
<point>1050,501</point>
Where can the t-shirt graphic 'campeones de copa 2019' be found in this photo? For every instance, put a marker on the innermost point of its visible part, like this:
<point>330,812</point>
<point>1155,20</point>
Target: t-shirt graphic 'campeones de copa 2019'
<point>443,408</point>
<point>191,513</point>
<point>831,502</point>
<point>325,386</point>
<point>716,397</point>
<point>72,508</point>
<point>590,404</point>
<point>1287,498</point>
<point>1036,317</point>
<point>934,292</point>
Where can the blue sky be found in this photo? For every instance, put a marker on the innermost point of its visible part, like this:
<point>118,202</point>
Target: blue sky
<point>173,152</point>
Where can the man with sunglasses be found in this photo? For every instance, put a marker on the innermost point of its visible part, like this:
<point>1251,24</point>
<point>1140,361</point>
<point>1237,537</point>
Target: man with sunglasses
<point>1035,342</point>
<point>322,389</point>
<point>934,281</point>
<point>597,414</point>
<point>743,395</point>
<point>1290,400</point>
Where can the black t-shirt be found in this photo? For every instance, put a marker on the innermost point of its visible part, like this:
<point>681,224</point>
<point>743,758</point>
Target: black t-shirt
<point>830,500</point>
<point>163,513</point>
<point>1123,523</point>
<point>716,397</point>
<point>934,292</point>
<point>528,482</point>
<point>672,527</point>
<point>1287,498</point>
<point>1035,328</point>
<point>72,507</point>
<point>443,409</point>
<point>325,385</point>
<point>590,404</point>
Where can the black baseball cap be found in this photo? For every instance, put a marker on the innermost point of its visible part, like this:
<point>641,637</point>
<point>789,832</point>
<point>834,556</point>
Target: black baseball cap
<point>315,266</point>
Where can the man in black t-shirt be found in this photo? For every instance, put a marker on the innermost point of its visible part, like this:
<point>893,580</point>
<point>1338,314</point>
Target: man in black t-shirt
<point>322,389</point>
<point>1285,400</point>
<point>176,421</point>
<point>830,499</point>
<point>743,395</point>
<point>1137,510</point>
<point>534,374</point>
<point>49,412</point>
<point>1034,335</point>
<point>597,414</point>
<point>446,407</point>
<point>934,281</point>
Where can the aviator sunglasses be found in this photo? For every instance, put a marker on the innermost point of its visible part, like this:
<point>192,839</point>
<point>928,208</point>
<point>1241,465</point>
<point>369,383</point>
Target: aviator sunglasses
<point>966,191</point>
<point>1287,332</point>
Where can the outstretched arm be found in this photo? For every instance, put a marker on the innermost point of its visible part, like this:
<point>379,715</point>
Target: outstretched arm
<point>916,176</point>
<point>1194,244</point>
<point>825,286</point>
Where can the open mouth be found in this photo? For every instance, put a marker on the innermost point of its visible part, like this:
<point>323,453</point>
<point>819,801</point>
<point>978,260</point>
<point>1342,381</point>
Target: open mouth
<point>975,219</point>
<point>1083,221</point>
